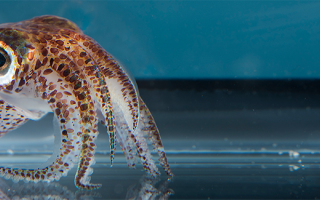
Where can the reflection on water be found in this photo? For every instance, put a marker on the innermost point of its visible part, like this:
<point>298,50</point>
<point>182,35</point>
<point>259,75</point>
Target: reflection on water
<point>42,190</point>
<point>144,189</point>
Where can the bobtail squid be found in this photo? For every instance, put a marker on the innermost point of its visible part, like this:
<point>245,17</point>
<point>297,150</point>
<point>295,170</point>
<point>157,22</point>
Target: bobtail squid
<point>48,65</point>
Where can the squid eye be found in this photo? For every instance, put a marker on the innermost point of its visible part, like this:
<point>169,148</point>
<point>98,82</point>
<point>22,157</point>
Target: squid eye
<point>4,62</point>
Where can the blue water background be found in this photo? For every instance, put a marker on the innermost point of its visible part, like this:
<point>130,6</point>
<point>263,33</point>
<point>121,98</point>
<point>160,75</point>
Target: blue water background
<point>195,39</point>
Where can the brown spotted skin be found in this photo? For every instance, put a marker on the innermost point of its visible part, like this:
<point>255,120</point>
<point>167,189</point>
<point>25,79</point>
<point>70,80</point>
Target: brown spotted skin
<point>10,118</point>
<point>56,68</point>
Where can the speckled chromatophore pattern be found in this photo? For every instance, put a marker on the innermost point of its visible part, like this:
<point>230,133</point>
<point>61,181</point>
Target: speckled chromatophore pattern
<point>51,66</point>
